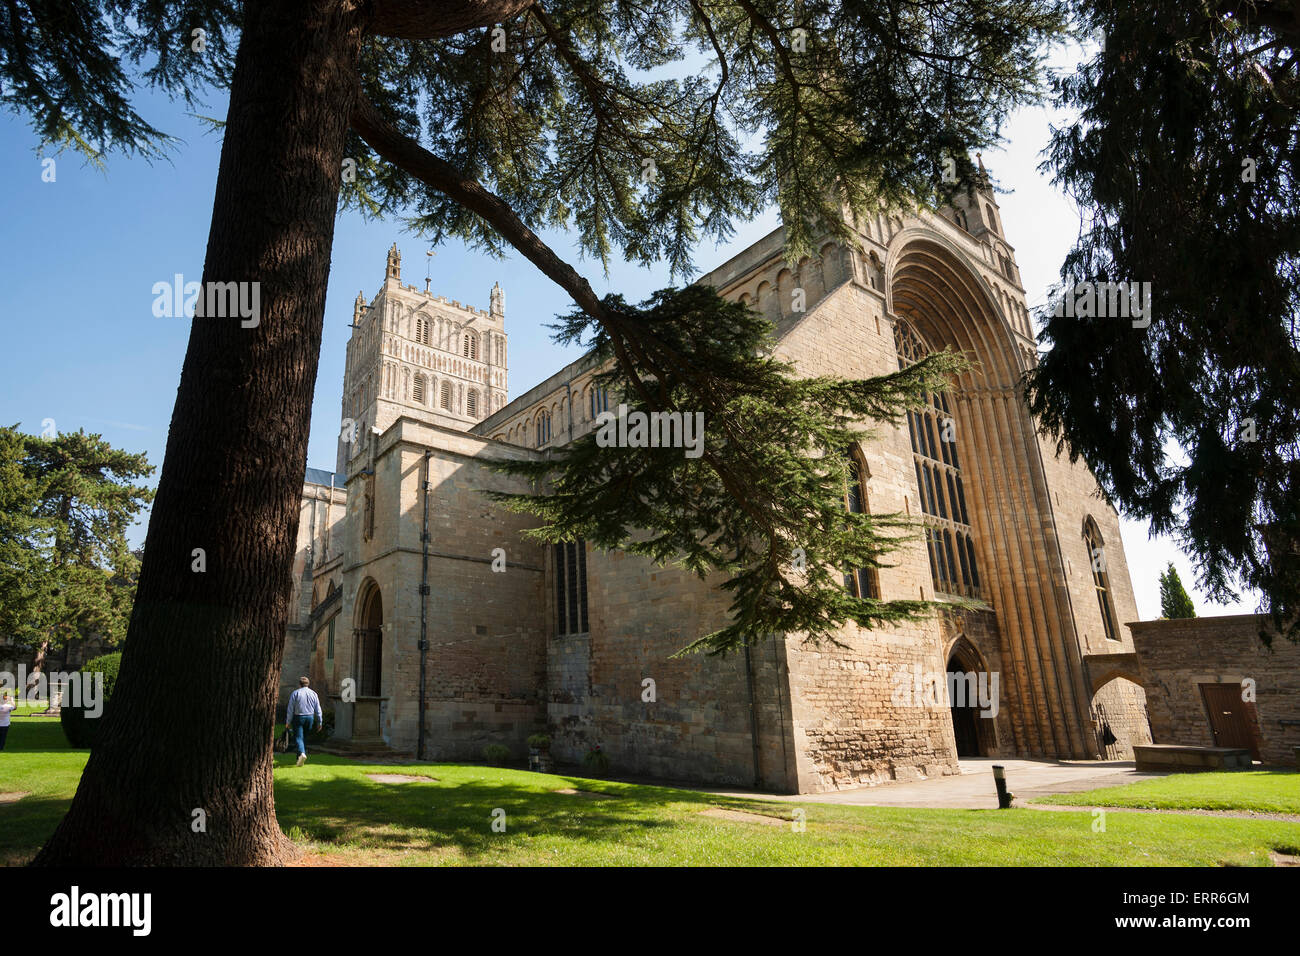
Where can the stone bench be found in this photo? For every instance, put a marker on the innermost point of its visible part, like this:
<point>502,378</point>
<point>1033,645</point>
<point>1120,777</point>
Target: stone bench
<point>1184,758</point>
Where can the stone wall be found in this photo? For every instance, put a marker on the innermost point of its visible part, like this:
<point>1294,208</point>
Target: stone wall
<point>485,664</point>
<point>698,726</point>
<point>1177,656</point>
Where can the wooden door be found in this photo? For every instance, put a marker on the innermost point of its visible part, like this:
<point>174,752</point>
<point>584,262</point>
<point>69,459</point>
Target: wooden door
<point>1232,720</point>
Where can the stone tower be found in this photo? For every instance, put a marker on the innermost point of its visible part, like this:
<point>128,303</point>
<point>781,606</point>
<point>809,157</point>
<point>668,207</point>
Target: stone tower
<point>415,354</point>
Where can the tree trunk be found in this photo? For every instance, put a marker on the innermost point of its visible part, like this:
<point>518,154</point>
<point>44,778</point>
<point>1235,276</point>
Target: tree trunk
<point>189,726</point>
<point>38,664</point>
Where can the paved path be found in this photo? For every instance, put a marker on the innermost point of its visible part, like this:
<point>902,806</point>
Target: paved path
<point>973,788</point>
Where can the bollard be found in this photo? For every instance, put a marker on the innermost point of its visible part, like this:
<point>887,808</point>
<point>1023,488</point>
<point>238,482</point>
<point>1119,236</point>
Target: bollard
<point>1000,779</point>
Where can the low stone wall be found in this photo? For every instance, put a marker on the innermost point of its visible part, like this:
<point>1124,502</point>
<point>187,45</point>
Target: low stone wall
<point>1177,656</point>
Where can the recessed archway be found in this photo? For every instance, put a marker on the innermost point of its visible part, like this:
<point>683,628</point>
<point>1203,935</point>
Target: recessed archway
<point>934,288</point>
<point>368,643</point>
<point>969,679</point>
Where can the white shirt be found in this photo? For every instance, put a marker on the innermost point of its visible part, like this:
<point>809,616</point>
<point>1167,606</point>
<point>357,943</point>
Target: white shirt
<point>4,713</point>
<point>303,701</point>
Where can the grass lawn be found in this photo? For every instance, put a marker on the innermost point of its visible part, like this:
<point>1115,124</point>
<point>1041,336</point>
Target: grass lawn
<point>1264,791</point>
<point>339,815</point>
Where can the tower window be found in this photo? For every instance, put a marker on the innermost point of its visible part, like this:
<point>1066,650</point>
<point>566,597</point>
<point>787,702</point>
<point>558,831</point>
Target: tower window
<point>445,397</point>
<point>417,390</point>
<point>570,587</point>
<point>471,346</point>
<point>860,582</point>
<point>933,429</point>
<point>471,403</point>
<point>1100,578</point>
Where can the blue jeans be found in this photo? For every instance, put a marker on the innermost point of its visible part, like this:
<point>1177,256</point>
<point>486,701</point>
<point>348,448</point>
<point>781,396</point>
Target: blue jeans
<point>302,724</point>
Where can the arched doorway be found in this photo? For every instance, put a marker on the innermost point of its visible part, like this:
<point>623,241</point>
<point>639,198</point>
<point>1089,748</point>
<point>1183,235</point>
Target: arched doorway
<point>968,681</point>
<point>368,663</point>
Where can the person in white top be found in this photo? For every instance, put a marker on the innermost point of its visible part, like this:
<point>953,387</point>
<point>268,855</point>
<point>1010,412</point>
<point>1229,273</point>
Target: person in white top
<point>302,713</point>
<point>7,706</point>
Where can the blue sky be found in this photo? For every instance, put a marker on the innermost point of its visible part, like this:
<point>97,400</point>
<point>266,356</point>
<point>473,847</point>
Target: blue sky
<point>79,257</point>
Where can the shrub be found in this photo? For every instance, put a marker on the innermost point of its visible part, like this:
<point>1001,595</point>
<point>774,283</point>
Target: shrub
<point>496,754</point>
<point>326,727</point>
<point>78,726</point>
<point>539,742</point>
<point>596,760</point>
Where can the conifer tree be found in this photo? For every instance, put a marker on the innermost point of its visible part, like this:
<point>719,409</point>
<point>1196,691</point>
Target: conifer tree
<point>1184,156</point>
<point>485,120</point>
<point>1174,602</point>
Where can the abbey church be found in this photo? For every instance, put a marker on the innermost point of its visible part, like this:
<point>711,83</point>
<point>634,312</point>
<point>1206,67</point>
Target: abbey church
<point>416,595</point>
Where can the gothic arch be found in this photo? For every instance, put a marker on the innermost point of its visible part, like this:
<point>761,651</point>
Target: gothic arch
<point>368,639</point>
<point>938,290</point>
<point>975,735</point>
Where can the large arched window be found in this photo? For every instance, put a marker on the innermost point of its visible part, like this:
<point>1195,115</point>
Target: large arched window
<point>949,539</point>
<point>860,582</point>
<point>543,427</point>
<point>1100,578</point>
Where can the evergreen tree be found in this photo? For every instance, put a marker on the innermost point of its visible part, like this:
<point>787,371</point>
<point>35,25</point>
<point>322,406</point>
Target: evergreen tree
<point>1174,602</point>
<point>1184,155</point>
<point>24,543</point>
<point>487,120</point>
<point>758,490</point>
<point>66,571</point>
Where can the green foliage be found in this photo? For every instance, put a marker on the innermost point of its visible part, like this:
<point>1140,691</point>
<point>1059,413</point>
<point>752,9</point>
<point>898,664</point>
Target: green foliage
<point>81,729</point>
<point>814,106</point>
<point>596,760</point>
<point>763,503</point>
<point>24,537</point>
<point>539,742</point>
<point>1185,154</point>
<point>326,730</point>
<point>74,65</point>
<point>1174,602</point>
<point>66,570</point>
<point>498,754</point>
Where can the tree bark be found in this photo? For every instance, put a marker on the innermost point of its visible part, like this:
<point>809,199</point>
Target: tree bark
<point>189,726</point>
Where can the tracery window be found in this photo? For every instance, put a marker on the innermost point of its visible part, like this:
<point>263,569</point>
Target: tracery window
<point>949,538</point>
<point>570,587</point>
<point>860,582</point>
<point>1100,577</point>
<point>543,427</point>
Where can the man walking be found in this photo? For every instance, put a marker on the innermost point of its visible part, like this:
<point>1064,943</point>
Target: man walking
<point>302,713</point>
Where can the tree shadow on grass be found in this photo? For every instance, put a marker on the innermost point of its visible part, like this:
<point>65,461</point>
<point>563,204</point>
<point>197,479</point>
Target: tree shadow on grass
<point>27,824</point>
<point>459,815</point>
<point>36,735</point>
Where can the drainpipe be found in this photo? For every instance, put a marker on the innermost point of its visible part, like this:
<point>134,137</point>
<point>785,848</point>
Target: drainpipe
<point>424,601</point>
<point>753,716</point>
